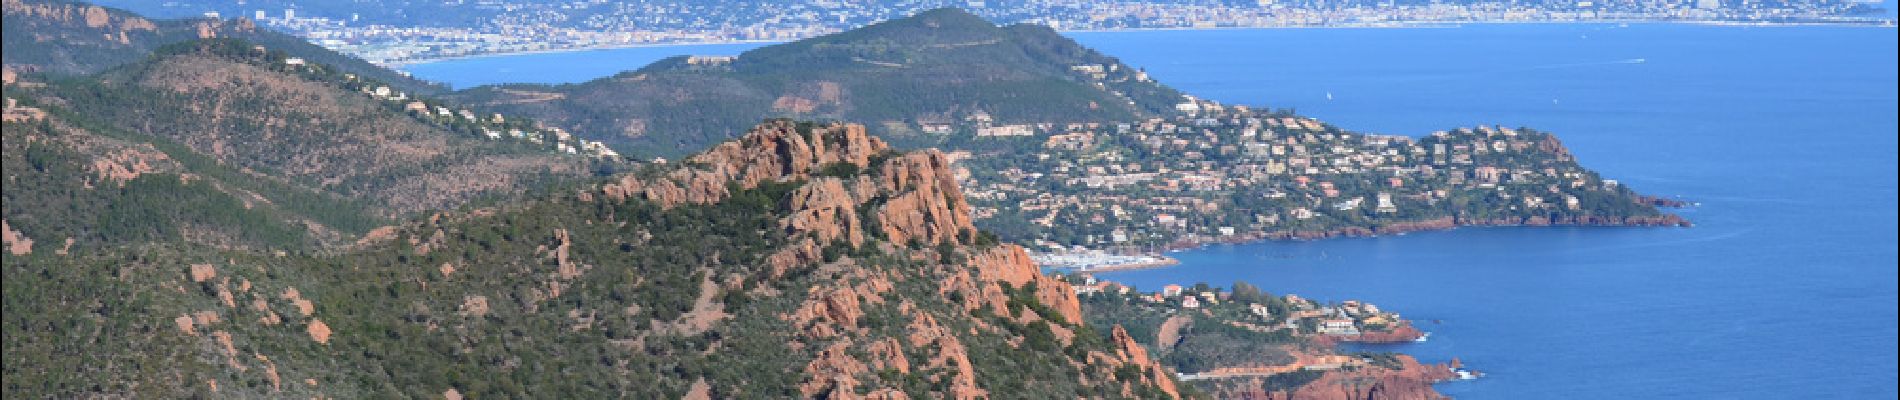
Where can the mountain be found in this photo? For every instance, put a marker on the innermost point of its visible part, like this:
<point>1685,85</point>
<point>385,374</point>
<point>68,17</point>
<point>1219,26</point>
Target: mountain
<point>297,143</point>
<point>941,65</point>
<point>74,38</point>
<point>802,260</point>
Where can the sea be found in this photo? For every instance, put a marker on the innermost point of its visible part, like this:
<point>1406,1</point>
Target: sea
<point>1785,137</point>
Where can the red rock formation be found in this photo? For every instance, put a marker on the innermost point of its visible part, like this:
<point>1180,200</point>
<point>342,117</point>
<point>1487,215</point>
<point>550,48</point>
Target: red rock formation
<point>888,354</point>
<point>926,204</point>
<point>1404,333</point>
<point>922,204</point>
<point>1131,352</point>
<point>827,210</point>
<point>1411,381</point>
<point>926,333</point>
<point>833,373</point>
<point>319,331</point>
<point>16,243</point>
<point>773,151</point>
<point>1011,264</point>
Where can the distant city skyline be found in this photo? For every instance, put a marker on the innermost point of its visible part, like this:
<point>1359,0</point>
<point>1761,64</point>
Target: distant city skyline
<point>392,32</point>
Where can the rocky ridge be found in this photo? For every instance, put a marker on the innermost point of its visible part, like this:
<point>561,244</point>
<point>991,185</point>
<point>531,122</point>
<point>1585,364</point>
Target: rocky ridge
<point>914,200</point>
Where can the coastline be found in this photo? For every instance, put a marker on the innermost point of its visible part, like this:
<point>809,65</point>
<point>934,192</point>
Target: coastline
<point>411,63</point>
<point>1437,224</point>
<point>1164,261</point>
<point>1088,263</point>
<point>1384,25</point>
<point>1318,356</point>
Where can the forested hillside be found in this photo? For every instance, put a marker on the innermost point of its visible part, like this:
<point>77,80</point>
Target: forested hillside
<point>802,260</point>
<point>937,66</point>
<point>63,37</point>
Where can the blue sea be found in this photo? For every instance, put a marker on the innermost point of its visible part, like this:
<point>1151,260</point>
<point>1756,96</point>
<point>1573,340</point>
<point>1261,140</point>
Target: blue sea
<point>562,66</point>
<point>1786,288</point>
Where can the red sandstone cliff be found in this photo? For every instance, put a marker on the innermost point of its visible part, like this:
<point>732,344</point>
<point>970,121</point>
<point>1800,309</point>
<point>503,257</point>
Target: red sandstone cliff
<point>915,200</point>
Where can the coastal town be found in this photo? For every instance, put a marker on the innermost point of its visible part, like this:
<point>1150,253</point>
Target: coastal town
<point>1344,321</point>
<point>1234,338</point>
<point>408,32</point>
<point>1217,173</point>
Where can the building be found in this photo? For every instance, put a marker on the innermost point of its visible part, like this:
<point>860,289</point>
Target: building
<point>1337,326</point>
<point>1171,290</point>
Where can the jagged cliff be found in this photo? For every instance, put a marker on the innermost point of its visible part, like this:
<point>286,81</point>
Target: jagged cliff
<point>802,260</point>
<point>915,202</point>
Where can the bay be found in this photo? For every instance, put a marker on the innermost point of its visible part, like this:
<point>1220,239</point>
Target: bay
<point>556,67</point>
<point>1786,288</point>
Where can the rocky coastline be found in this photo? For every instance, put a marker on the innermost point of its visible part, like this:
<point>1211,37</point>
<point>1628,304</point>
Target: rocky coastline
<point>1403,334</point>
<point>1443,223</point>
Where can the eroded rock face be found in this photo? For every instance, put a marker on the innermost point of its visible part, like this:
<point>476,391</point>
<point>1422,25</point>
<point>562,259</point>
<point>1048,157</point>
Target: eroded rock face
<point>1011,264</point>
<point>926,333</point>
<point>926,205</point>
<point>827,210</point>
<point>91,16</point>
<point>1412,381</point>
<point>1131,352</point>
<point>832,373</point>
<point>773,151</point>
<point>910,198</point>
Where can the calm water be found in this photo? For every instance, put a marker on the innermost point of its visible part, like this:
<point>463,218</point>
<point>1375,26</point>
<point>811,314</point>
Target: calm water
<point>1785,289</point>
<point>560,67</point>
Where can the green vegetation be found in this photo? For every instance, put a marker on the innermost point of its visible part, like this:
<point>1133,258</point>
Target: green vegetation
<point>938,65</point>
<point>54,193</point>
<point>284,143</point>
<point>1240,175</point>
<point>621,299</point>
<point>61,42</point>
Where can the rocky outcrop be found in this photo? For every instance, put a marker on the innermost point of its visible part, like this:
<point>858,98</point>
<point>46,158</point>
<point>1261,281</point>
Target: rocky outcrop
<point>1410,380</point>
<point>951,355</point>
<point>1010,264</point>
<point>833,373</point>
<point>775,151</point>
<point>16,243</point>
<point>1402,334</point>
<point>913,201</point>
<point>1550,145</point>
<point>926,205</point>
<point>923,203</point>
<point>827,210</point>
<point>319,331</point>
<point>1131,352</point>
<point>95,17</point>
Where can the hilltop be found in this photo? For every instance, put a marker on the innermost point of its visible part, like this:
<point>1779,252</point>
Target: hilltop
<point>802,260</point>
<point>937,66</point>
<point>69,38</point>
<point>291,147</point>
<point>1023,112</point>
